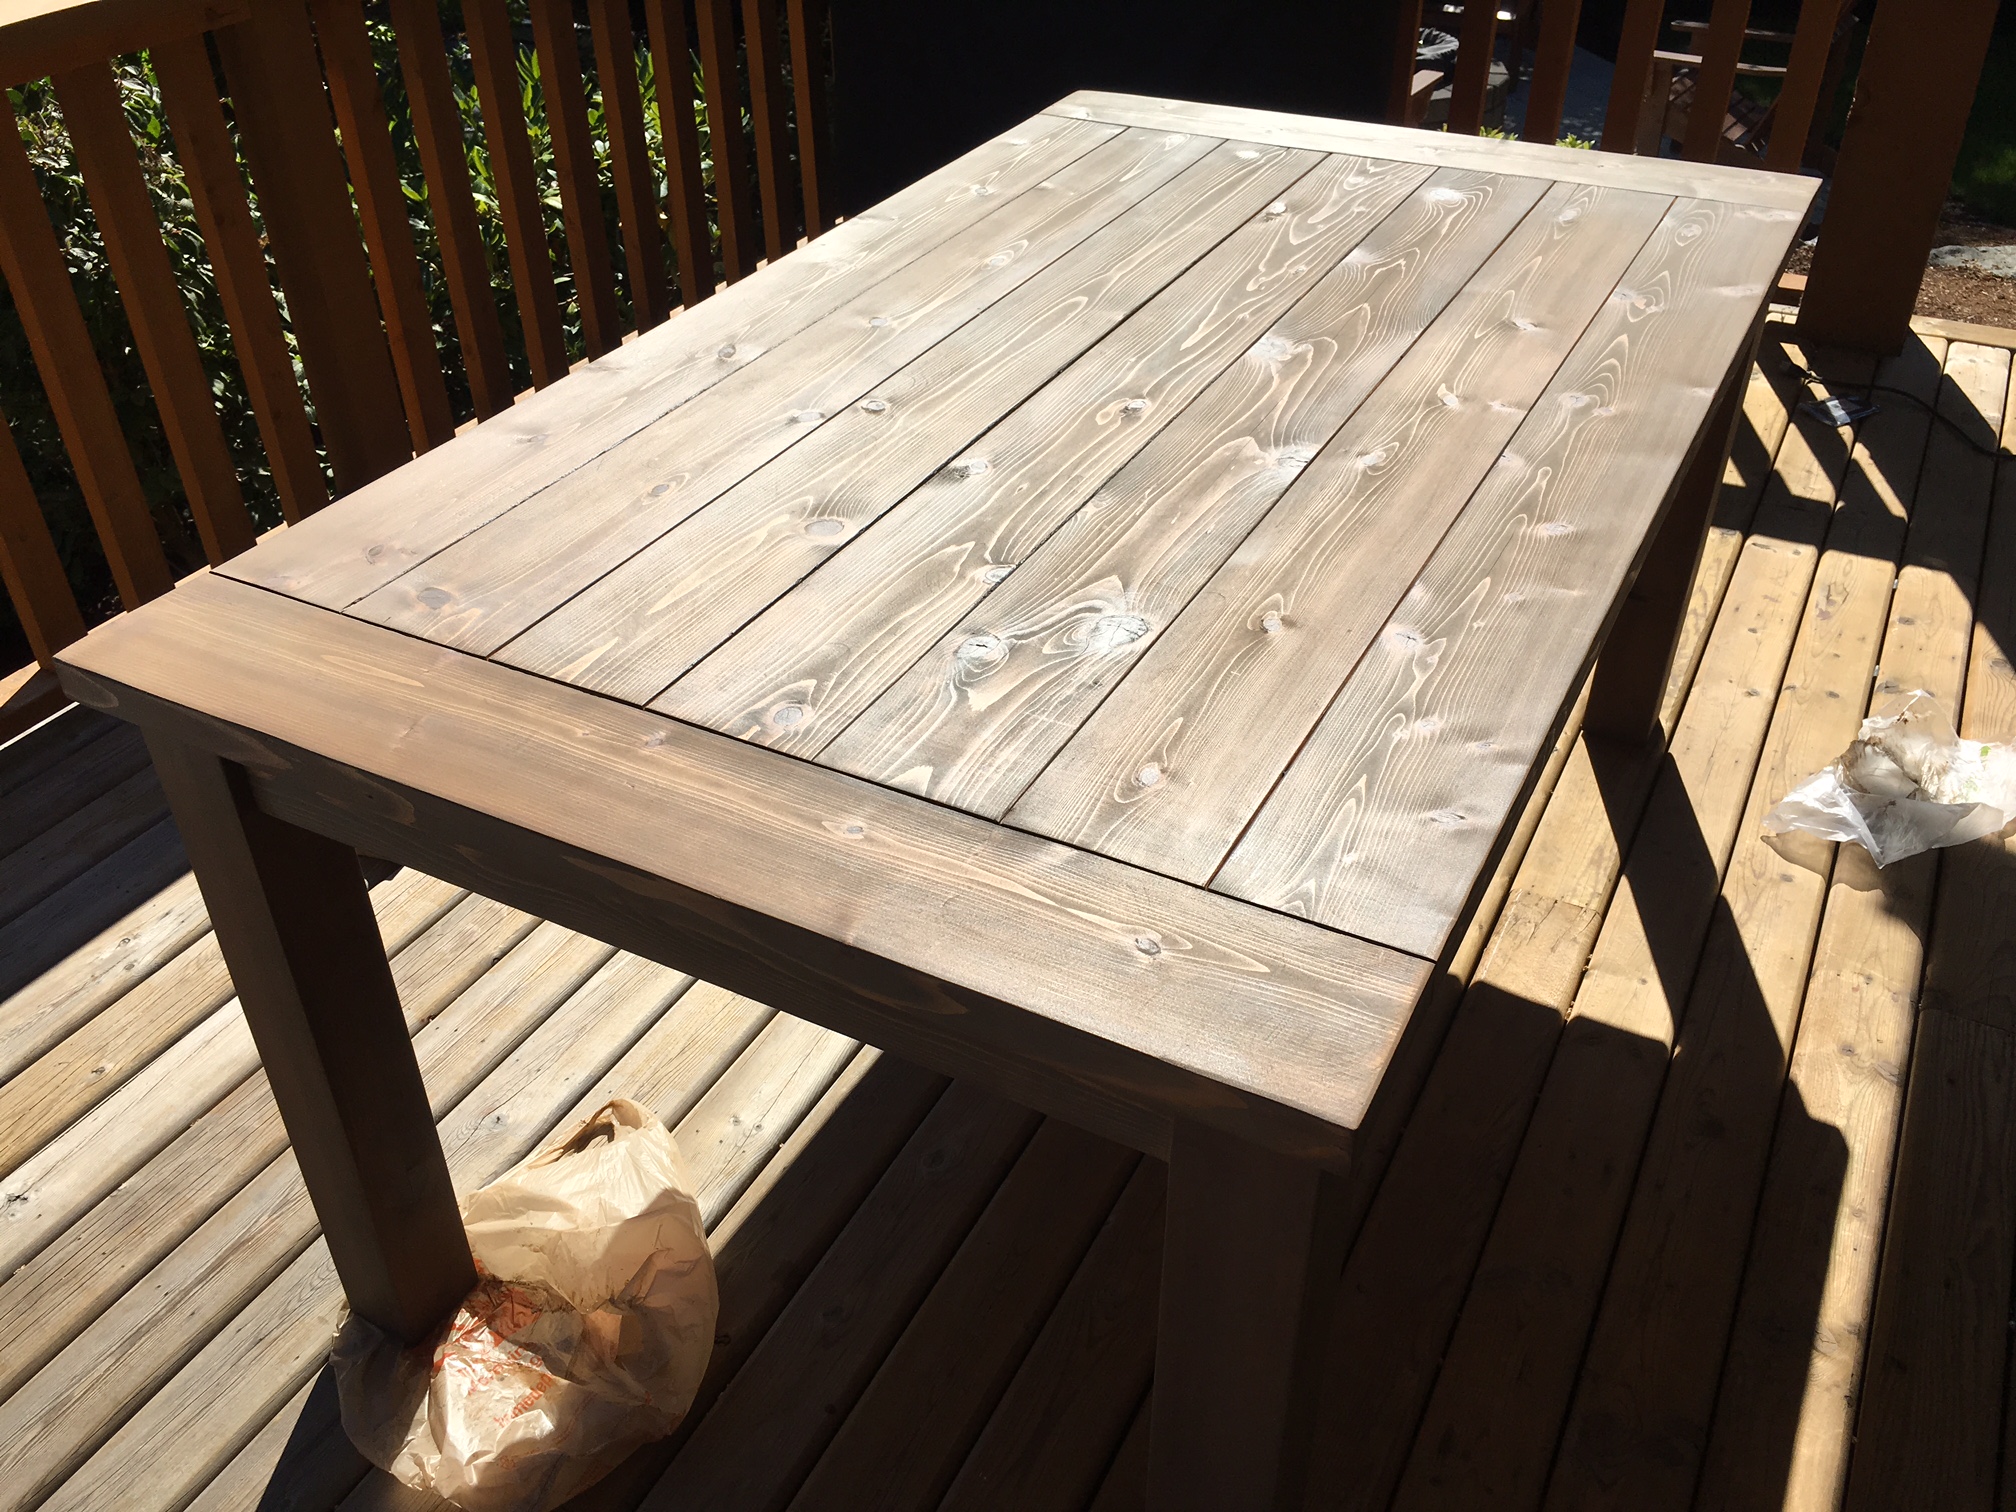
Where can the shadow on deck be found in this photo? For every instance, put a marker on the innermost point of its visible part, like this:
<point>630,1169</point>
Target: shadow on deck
<point>1709,1199</point>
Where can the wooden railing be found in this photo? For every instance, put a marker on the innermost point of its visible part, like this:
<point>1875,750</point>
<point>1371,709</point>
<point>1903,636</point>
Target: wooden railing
<point>347,371</point>
<point>1674,88</point>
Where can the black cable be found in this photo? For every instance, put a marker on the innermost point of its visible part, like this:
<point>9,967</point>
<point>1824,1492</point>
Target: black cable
<point>1813,380</point>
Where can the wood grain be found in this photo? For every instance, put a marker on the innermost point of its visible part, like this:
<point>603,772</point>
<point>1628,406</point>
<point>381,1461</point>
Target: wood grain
<point>1378,830</point>
<point>484,589</point>
<point>1140,965</point>
<point>880,602</point>
<point>974,720</point>
<point>1707,181</point>
<point>1174,763</point>
<point>651,619</point>
<point>480,474</point>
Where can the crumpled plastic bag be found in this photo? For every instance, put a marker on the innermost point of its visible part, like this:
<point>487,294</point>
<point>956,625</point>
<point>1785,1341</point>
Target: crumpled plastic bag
<point>586,1334</point>
<point>1907,784</point>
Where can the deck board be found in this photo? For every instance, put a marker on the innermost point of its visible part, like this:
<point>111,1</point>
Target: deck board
<point>934,1299</point>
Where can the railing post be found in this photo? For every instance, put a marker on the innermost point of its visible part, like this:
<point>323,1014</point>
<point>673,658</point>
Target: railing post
<point>1917,84</point>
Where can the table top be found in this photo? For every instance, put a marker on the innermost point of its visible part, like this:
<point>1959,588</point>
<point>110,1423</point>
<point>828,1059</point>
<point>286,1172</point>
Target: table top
<point>1135,572</point>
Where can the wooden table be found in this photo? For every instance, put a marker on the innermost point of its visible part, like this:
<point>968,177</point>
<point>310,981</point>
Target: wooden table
<point>1086,624</point>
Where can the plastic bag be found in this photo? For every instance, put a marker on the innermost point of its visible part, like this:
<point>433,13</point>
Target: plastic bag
<point>1906,785</point>
<point>586,1335</point>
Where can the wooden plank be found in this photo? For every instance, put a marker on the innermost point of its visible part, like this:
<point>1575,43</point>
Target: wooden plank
<point>1706,1150</point>
<point>41,37</point>
<point>95,120</point>
<point>38,939</point>
<point>1169,769</point>
<point>1425,813</point>
<point>274,1333</point>
<point>1319,1012</point>
<point>381,210</point>
<point>55,794</point>
<point>59,1198</point>
<point>973,720</point>
<point>1411,1269</point>
<point>1125,1488</point>
<point>1715,80</point>
<point>807,23</point>
<point>882,602</point>
<point>64,360</point>
<point>1076,1396</point>
<point>238,261</point>
<point>1633,76</point>
<point>34,1016</point>
<point>64,851</point>
<point>760,1438</point>
<point>721,83</point>
<point>49,744</point>
<point>1743,186</point>
<point>780,1228</point>
<point>282,116</point>
<point>630,163</point>
<point>1477,47</point>
<point>654,617</point>
<point>1553,58</point>
<point>491,467</point>
<point>762,46</point>
<point>1930,1419</point>
<point>494,55</point>
<point>1810,1277</point>
<point>912,1428</point>
<point>679,132</point>
<point>1917,80</point>
<point>437,136</point>
<point>503,577</point>
<point>594,280</point>
<point>1806,73</point>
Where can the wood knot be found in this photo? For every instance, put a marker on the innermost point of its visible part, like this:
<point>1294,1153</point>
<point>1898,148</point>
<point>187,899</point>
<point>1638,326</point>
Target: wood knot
<point>1148,945</point>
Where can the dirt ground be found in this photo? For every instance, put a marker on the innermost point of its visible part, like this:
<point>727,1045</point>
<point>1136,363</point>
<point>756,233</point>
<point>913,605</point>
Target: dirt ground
<point>1958,293</point>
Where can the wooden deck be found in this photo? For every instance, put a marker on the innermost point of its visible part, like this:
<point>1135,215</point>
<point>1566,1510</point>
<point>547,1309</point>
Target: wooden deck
<point>1709,1199</point>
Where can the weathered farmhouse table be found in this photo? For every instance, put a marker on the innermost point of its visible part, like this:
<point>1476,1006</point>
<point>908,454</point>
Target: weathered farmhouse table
<point>1086,624</point>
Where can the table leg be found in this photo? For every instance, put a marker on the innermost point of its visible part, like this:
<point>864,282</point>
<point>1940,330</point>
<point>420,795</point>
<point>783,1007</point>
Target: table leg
<point>293,916</point>
<point>1637,657</point>
<point>1252,1252</point>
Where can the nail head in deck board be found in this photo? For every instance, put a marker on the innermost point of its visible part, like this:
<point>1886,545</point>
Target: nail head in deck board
<point>840,637</point>
<point>652,618</point>
<point>479,475</point>
<point>1378,832</point>
<point>1317,1010</point>
<point>517,567</point>
<point>974,721</point>
<point>1224,698</point>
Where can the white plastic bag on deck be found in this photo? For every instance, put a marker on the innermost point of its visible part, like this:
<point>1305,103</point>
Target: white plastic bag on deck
<point>1906,785</point>
<point>586,1335</point>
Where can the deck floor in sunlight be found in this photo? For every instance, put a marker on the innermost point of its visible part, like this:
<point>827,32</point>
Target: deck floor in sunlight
<point>1709,1199</point>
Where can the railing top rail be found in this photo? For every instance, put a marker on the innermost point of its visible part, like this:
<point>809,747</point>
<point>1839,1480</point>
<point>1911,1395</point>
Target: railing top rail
<point>41,37</point>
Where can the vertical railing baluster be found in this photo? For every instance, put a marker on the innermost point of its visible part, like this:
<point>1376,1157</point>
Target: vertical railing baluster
<point>630,161</point>
<point>580,184</point>
<point>679,134</point>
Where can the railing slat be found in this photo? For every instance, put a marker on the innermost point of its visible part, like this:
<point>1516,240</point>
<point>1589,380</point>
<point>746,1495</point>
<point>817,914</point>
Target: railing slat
<point>1547,90</point>
<point>1633,75</point>
<point>630,161</point>
<point>764,45</point>
<point>1406,47</point>
<point>96,123</point>
<point>209,163</point>
<point>719,78</point>
<point>807,20</point>
<point>495,58</point>
<point>580,185</point>
<point>1715,79</point>
<point>29,565</point>
<point>1805,75</point>
<point>672,83</point>
<point>287,136</point>
<point>1474,51</point>
<point>381,203</point>
<point>47,304</point>
<point>437,132</point>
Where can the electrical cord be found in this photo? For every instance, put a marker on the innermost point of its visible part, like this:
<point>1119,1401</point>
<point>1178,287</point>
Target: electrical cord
<point>1814,382</point>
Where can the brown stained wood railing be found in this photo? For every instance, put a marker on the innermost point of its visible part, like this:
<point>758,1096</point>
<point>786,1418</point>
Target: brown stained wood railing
<point>288,93</point>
